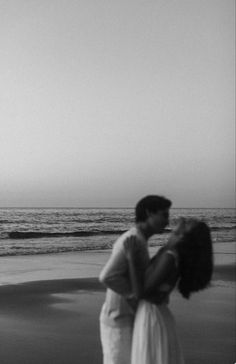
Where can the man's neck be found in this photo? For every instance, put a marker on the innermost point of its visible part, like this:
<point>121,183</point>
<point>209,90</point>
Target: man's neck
<point>144,229</point>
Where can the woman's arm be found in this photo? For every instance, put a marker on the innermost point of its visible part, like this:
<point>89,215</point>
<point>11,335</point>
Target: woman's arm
<point>160,269</point>
<point>158,272</point>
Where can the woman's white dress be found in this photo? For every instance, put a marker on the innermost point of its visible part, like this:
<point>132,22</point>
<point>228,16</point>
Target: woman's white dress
<point>155,339</point>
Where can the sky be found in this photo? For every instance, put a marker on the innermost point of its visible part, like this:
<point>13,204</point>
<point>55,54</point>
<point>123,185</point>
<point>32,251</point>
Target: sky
<point>103,102</point>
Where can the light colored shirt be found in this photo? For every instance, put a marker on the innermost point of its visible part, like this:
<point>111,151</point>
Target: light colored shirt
<point>115,275</point>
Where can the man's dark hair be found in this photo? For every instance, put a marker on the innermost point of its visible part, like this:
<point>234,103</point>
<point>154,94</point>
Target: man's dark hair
<point>151,203</point>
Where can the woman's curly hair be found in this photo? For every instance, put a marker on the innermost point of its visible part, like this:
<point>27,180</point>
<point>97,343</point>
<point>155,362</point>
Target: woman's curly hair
<point>195,260</point>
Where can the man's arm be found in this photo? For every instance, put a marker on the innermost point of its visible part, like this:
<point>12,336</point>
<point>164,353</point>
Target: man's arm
<point>114,274</point>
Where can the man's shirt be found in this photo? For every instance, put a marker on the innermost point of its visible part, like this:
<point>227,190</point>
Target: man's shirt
<point>116,311</point>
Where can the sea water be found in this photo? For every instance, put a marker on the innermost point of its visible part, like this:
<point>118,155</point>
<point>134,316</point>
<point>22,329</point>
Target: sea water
<point>54,230</point>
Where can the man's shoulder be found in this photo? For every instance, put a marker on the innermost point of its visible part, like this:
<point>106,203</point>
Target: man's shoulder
<point>131,232</point>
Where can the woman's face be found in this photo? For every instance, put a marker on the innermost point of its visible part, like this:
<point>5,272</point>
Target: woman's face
<point>190,224</point>
<point>177,234</point>
<point>183,227</point>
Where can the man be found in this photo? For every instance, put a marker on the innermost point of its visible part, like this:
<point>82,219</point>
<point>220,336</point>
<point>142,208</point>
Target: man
<point>117,315</point>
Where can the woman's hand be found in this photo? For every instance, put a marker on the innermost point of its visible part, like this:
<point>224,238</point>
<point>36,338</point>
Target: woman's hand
<point>130,245</point>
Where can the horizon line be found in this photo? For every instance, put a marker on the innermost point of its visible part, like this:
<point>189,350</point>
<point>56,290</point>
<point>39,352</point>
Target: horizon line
<point>102,207</point>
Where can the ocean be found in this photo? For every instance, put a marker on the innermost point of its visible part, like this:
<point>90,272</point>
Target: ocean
<point>55,230</point>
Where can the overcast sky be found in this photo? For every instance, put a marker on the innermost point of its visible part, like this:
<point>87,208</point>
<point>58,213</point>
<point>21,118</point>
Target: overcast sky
<point>105,101</point>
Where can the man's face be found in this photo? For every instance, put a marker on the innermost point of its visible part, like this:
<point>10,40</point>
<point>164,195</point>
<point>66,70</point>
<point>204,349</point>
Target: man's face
<point>158,220</point>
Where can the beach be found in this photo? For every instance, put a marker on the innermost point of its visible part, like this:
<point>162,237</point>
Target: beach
<point>114,114</point>
<point>50,306</point>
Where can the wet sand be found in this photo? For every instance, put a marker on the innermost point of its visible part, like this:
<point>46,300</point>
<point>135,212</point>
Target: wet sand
<point>55,321</point>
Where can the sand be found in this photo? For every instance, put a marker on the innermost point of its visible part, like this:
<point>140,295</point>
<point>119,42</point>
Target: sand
<point>85,264</point>
<point>55,320</point>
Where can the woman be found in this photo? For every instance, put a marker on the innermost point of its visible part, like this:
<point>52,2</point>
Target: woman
<point>185,261</point>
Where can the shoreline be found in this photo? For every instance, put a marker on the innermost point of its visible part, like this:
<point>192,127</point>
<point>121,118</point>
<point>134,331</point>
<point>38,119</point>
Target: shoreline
<point>82,264</point>
<point>226,273</point>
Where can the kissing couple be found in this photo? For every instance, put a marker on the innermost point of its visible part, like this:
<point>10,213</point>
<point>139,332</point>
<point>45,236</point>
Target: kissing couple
<point>136,325</point>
